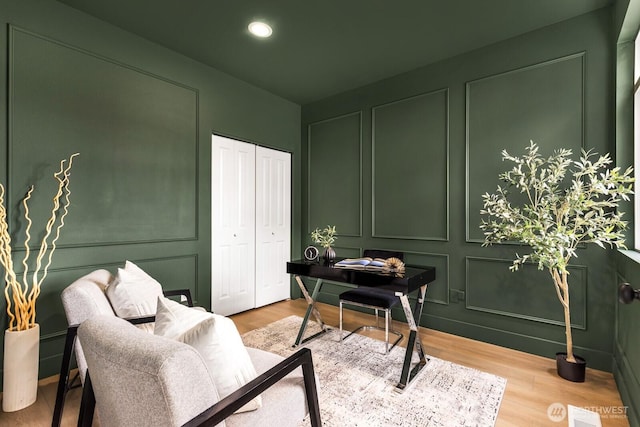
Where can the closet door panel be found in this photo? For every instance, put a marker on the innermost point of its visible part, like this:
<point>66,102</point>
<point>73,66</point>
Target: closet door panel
<point>233,226</point>
<point>273,225</point>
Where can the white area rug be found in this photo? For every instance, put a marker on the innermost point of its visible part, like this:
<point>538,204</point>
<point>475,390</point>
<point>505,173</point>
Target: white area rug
<point>357,381</point>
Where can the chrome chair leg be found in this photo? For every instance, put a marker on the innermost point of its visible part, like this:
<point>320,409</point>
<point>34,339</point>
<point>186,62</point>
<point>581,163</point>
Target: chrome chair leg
<point>340,322</point>
<point>386,331</point>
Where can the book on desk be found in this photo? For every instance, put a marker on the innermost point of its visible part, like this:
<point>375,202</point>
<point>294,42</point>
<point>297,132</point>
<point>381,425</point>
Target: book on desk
<point>364,263</point>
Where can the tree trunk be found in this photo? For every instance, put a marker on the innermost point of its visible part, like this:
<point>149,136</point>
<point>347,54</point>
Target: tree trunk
<point>561,282</point>
<point>567,318</point>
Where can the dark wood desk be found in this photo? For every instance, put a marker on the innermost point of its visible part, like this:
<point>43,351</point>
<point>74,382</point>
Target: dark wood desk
<point>415,278</point>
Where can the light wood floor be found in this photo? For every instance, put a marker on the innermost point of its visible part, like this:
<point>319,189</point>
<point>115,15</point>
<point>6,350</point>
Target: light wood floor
<point>532,383</point>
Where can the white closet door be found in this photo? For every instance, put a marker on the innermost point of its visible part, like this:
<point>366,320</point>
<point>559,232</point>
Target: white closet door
<point>273,225</point>
<point>233,226</point>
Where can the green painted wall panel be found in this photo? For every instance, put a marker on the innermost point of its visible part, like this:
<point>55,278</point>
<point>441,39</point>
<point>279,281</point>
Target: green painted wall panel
<point>552,84</point>
<point>334,174</point>
<point>627,339</point>
<point>411,135</point>
<point>438,290</point>
<point>136,134</point>
<point>142,116</point>
<point>542,103</point>
<point>526,294</point>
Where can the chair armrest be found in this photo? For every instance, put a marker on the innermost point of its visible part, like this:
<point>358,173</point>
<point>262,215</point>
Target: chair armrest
<point>182,292</point>
<point>63,379</point>
<point>65,367</point>
<point>140,320</point>
<point>227,406</point>
<point>169,293</point>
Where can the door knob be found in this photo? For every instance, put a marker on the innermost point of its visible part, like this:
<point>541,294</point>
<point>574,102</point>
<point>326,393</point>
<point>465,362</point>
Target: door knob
<point>626,293</point>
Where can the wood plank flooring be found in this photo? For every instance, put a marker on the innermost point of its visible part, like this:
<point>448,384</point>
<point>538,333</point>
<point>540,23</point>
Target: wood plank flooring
<point>532,383</point>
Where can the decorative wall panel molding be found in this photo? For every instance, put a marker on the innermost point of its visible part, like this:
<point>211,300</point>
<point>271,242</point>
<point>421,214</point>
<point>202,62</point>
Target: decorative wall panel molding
<point>526,294</point>
<point>137,135</point>
<point>335,174</point>
<point>410,183</point>
<point>345,251</point>
<point>438,291</point>
<point>543,103</point>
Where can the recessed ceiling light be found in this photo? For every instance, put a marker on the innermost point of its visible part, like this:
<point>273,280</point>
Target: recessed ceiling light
<point>260,29</point>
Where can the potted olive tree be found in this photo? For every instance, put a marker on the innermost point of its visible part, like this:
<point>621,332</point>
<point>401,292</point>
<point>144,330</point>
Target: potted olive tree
<point>560,204</point>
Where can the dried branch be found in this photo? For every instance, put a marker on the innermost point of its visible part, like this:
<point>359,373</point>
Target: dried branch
<point>21,297</point>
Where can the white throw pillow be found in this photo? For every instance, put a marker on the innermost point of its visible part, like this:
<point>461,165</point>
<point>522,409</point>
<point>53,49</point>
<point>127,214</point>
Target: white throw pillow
<point>217,340</point>
<point>133,293</point>
<point>174,319</point>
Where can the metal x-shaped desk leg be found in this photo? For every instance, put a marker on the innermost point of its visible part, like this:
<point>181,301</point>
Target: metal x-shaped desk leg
<point>311,300</point>
<point>414,343</point>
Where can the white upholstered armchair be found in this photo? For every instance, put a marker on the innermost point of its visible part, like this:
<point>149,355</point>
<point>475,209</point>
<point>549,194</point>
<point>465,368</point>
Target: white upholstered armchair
<point>136,378</point>
<point>81,300</point>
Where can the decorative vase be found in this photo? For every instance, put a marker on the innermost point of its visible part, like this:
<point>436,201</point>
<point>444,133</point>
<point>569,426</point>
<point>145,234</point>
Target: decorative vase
<point>571,371</point>
<point>329,254</point>
<point>21,357</point>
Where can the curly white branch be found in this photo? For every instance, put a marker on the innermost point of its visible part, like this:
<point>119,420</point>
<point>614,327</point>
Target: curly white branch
<point>21,297</point>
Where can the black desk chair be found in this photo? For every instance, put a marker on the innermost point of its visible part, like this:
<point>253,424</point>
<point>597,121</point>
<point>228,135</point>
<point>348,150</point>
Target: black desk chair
<point>376,299</point>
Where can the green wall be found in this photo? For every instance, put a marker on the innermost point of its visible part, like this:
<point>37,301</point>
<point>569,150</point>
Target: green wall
<point>627,339</point>
<point>626,349</point>
<point>141,117</point>
<point>402,164</point>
